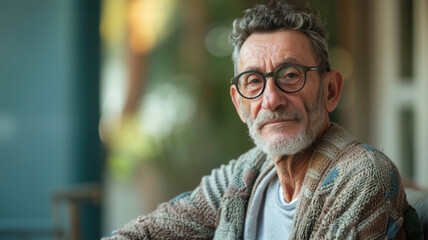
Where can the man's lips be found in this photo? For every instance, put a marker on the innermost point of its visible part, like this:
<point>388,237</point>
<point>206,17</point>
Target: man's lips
<point>276,121</point>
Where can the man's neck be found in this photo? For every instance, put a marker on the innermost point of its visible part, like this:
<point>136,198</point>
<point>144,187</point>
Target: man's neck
<point>291,169</point>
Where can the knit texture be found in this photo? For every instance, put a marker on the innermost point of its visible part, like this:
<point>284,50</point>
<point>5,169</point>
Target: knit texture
<point>350,191</point>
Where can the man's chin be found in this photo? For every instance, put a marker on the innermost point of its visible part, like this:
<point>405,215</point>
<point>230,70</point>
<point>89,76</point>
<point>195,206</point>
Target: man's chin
<point>283,146</point>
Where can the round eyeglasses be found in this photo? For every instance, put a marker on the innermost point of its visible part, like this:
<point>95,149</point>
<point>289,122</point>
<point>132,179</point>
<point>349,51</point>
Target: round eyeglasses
<point>290,78</point>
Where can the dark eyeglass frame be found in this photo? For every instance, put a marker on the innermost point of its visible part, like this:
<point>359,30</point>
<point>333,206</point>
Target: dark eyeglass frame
<point>305,69</point>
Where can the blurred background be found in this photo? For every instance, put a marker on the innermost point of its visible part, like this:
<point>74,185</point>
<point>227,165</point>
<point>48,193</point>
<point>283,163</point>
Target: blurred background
<point>109,107</point>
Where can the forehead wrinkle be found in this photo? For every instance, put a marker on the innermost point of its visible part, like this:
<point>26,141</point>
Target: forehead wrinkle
<point>249,61</point>
<point>276,64</point>
<point>266,60</point>
<point>288,60</point>
<point>265,55</point>
<point>259,54</point>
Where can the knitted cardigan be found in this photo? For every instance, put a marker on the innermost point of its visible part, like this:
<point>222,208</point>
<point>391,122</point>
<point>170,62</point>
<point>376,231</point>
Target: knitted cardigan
<point>350,191</point>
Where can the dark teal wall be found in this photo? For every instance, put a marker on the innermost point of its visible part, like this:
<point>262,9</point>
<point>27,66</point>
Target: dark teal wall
<point>49,107</point>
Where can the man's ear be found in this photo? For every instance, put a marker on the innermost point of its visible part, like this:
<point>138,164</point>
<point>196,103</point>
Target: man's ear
<point>237,102</point>
<point>333,87</point>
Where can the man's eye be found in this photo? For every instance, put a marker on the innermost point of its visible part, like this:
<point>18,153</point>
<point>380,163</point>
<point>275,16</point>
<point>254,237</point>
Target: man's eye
<point>254,81</point>
<point>289,76</point>
<point>292,75</point>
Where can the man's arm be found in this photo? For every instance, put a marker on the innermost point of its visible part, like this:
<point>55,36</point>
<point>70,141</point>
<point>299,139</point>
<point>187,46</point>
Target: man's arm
<point>190,215</point>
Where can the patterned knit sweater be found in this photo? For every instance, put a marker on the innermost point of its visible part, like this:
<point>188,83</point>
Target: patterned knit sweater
<point>350,191</point>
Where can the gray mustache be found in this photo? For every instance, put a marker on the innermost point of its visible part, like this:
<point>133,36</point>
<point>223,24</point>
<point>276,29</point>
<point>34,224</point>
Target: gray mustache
<point>281,114</point>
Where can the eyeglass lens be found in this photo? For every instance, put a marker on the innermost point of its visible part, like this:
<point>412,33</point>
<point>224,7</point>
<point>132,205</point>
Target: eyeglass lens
<point>289,78</point>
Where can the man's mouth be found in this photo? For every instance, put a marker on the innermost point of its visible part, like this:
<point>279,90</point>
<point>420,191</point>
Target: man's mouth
<point>274,122</point>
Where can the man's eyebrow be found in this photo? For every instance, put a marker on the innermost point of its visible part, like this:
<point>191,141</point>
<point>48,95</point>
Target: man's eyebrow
<point>251,68</point>
<point>290,60</point>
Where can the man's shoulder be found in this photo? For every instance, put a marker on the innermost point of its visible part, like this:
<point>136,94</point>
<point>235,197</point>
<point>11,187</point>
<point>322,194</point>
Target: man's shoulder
<point>252,157</point>
<point>237,173</point>
<point>248,163</point>
<point>353,159</point>
<point>363,156</point>
<point>351,154</point>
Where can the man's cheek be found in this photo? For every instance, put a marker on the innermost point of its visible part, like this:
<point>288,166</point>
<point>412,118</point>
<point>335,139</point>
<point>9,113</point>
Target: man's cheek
<point>246,108</point>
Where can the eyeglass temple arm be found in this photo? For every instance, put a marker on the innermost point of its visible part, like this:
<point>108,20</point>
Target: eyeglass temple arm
<point>319,68</point>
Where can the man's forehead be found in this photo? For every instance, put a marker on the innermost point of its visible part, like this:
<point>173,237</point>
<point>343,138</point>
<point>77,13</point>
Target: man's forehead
<point>280,47</point>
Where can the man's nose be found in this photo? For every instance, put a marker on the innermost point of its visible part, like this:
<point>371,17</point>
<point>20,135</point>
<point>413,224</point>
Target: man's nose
<point>273,97</point>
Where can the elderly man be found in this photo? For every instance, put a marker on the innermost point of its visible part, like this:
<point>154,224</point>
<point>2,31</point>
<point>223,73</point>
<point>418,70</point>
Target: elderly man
<point>307,178</point>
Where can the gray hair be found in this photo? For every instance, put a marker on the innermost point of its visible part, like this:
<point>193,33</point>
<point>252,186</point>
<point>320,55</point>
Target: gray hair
<point>280,16</point>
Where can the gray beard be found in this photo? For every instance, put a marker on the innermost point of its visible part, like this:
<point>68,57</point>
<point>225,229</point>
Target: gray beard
<point>284,144</point>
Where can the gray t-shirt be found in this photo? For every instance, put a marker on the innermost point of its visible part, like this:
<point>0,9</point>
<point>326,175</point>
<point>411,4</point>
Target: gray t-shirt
<point>270,217</point>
